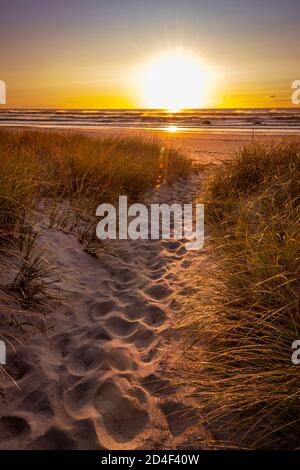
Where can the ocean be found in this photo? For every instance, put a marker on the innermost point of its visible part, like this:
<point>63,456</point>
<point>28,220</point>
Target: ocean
<point>286,120</point>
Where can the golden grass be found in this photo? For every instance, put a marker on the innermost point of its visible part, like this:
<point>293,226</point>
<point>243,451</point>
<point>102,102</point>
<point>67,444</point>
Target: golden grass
<point>239,358</point>
<point>70,174</point>
<point>89,170</point>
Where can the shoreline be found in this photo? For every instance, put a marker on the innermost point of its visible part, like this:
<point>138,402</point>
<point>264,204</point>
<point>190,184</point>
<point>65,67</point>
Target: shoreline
<point>203,147</point>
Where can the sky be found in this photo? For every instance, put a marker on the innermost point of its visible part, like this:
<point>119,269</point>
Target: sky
<point>92,53</point>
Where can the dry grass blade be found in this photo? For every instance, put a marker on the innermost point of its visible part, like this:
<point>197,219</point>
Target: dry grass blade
<point>243,373</point>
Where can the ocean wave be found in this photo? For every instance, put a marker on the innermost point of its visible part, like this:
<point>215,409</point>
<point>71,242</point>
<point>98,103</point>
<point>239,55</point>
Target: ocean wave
<point>145,118</point>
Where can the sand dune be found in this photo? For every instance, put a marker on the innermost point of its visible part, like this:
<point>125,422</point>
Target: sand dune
<point>99,374</point>
<point>99,378</point>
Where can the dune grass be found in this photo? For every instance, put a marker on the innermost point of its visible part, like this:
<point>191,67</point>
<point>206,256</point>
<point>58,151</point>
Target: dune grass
<point>84,170</point>
<point>80,168</point>
<point>240,359</point>
<point>69,174</point>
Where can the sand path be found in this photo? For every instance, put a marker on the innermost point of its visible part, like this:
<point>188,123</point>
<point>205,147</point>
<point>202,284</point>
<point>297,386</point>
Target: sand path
<point>99,378</point>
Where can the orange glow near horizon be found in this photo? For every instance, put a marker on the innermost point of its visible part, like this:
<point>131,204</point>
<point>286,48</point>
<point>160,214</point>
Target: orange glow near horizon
<point>171,55</point>
<point>174,80</point>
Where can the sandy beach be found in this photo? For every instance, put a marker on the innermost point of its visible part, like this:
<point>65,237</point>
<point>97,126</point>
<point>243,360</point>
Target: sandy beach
<point>97,377</point>
<point>203,147</point>
<point>99,373</point>
<point>149,232</point>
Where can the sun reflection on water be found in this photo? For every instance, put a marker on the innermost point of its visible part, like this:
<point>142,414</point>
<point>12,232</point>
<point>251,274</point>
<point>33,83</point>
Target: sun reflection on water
<point>172,129</point>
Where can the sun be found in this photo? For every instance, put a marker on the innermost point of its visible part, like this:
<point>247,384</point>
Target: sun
<point>174,80</point>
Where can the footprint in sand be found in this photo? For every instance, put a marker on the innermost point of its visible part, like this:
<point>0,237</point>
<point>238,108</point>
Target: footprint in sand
<point>155,316</point>
<point>170,277</point>
<point>138,393</point>
<point>105,385</point>
<point>79,395</point>
<point>120,327</point>
<point>118,411</point>
<point>19,366</point>
<point>159,264</point>
<point>159,291</point>
<point>157,275</point>
<point>38,402</point>
<point>119,359</point>
<point>171,245</point>
<point>100,309</point>
<point>84,359</point>
<point>135,308</point>
<point>142,338</point>
<point>98,333</point>
<point>13,427</point>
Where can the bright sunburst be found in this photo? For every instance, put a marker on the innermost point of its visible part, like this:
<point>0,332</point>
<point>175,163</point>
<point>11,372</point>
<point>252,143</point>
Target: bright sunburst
<point>174,80</point>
